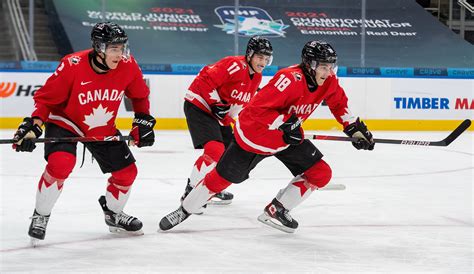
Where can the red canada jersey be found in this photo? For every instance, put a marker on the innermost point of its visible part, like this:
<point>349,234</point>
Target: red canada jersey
<point>227,80</point>
<point>287,92</point>
<point>85,102</point>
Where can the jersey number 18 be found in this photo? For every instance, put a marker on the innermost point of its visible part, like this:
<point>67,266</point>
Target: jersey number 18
<point>282,83</point>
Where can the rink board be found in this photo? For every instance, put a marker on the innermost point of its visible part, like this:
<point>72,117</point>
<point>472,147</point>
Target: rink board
<point>384,103</point>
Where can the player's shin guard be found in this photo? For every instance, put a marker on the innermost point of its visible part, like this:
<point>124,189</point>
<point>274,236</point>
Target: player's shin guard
<point>118,187</point>
<point>60,165</point>
<point>213,183</point>
<point>295,192</point>
<point>301,187</point>
<point>213,151</point>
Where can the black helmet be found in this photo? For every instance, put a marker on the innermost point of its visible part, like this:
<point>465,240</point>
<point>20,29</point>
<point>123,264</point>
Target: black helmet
<point>259,45</point>
<point>106,33</point>
<point>315,52</point>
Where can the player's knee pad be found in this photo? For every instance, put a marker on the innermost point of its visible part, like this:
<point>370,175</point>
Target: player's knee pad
<point>125,176</point>
<point>60,164</point>
<point>319,174</point>
<point>214,150</point>
<point>215,182</point>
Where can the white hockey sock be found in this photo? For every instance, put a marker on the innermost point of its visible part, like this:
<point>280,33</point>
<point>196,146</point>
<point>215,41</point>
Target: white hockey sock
<point>203,165</point>
<point>114,204</point>
<point>197,198</point>
<point>49,189</point>
<point>295,192</point>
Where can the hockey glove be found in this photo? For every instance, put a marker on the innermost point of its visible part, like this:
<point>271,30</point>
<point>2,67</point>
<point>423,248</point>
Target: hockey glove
<point>220,110</point>
<point>25,135</point>
<point>359,130</point>
<point>142,130</point>
<point>292,131</point>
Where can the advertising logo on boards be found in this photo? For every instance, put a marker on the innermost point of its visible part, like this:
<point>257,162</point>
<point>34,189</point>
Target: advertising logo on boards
<point>432,103</point>
<point>8,89</point>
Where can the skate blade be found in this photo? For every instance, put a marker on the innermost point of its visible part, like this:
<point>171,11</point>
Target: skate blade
<point>219,202</point>
<point>117,230</point>
<point>34,242</point>
<point>267,220</point>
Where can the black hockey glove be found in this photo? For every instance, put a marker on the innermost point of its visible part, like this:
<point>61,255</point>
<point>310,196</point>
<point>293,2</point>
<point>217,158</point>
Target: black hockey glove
<point>142,130</point>
<point>292,131</point>
<point>359,130</point>
<point>220,110</point>
<point>25,135</point>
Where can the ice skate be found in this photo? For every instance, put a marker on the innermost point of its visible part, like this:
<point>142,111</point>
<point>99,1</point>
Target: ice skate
<point>120,222</point>
<point>221,198</point>
<point>276,216</point>
<point>37,230</point>
<point>173,219</point>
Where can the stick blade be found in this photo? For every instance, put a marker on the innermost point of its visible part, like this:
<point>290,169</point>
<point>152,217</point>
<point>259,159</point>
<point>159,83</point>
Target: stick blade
<point>458,131</point>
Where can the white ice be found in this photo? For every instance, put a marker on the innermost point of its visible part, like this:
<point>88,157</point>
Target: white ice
<point>405,209</point>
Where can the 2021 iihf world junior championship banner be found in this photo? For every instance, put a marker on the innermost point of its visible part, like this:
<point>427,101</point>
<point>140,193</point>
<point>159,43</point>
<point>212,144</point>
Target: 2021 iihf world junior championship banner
<point>200,32</point>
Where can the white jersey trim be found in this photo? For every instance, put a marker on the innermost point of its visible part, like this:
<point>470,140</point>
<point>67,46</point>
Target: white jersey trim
<point>255,146</point>
<point>191,95</point>
<point>67,122</point>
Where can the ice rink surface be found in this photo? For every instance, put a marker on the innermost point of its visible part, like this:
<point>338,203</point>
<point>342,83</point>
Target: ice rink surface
<point>405,210</point>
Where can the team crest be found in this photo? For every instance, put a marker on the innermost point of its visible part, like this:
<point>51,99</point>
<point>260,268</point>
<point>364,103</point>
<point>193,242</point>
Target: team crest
<point>251,21</point>
<point>297,76</point>
<point>74,60</point>
<point>126,60</point>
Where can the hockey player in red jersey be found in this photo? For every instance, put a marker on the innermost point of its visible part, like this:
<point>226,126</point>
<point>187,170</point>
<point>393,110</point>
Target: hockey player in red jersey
<point>270,125</point>
<point>82,98</point>
<point>214,98</point>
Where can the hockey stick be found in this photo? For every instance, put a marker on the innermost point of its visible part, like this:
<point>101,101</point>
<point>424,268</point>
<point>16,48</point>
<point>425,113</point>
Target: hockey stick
<point>332,187</point>
<point>75,139</point>
<point>443,143</point>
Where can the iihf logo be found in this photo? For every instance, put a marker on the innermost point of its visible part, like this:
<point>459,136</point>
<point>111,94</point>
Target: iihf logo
<point>251,21</point>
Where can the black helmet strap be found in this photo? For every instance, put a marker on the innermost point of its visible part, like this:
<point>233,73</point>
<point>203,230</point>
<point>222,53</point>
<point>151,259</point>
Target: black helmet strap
<point>310,79</point>
<point>249,61</point>
<point>103,66</point>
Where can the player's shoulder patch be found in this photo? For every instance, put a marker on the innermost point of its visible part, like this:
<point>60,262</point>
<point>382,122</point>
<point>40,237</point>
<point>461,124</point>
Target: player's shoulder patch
<point>297,76</point>
<point>74,60</point>
<point>130,59</point>
<point>294,73</point>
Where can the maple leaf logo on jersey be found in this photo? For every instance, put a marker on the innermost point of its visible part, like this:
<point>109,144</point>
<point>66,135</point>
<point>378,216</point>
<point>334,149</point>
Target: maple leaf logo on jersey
<point>235,109</point>
<point>99,117</point>
<point>277,122</point>
<point>213,95</point>
<point>348,117</point>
